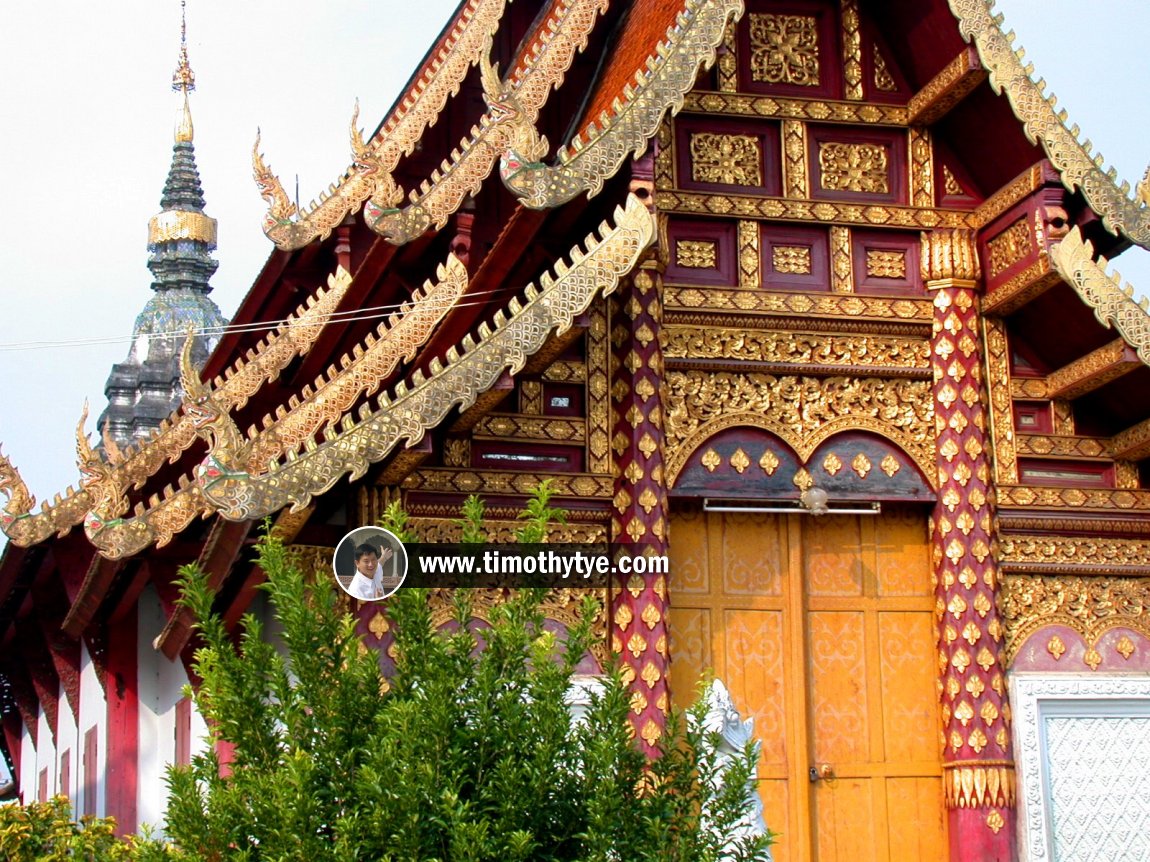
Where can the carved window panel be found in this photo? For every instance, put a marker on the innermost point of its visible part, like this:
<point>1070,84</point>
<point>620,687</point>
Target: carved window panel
<point>1081,747</point>
<point>719,155</point>
<point>886,262</point>
<point>795,258</point>
<point>790,48</point>
<point>847,164</point>
<point>702,252</point>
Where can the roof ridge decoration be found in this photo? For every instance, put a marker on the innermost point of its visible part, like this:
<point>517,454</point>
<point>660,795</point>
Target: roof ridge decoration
<point>294,337</point>
<point>512,110</point>
<point>1113,304</point>
<point>372,164</point>
<point>470,369</point>
<point>1043,125</point>
<point>596,153</point>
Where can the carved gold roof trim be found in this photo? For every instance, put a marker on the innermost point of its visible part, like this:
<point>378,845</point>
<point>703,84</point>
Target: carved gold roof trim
<point>1114,304</point>
<point>1044,125</point>
<point>513,108</point>
<point>363,370</point>
<point>294,337</point>
<point>469,370</point>
<point>596,153</point>
<point>370,173</point>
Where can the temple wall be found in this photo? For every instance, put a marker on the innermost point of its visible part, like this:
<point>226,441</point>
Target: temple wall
<point>93,714</point>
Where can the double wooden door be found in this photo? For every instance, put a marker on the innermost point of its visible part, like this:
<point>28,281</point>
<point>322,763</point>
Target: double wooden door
<point>823,631</point>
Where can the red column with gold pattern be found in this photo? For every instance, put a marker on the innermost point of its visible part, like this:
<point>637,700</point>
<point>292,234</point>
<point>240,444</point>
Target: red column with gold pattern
<point>978,766</point>
<point>639,518</point>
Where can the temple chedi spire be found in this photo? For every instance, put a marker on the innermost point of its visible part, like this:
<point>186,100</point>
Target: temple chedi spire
<point>145,388</point>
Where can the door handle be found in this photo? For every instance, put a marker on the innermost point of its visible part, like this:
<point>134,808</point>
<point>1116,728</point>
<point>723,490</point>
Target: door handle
<point>821,772</point>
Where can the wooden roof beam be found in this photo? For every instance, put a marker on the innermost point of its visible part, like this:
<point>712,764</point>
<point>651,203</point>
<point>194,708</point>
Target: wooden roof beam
<point>101,572</point>
<point>1133,444</point>
<point>1092,371</point>
<point>946,89</point>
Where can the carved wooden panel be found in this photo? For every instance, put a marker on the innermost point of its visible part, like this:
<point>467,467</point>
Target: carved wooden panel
<point>702,252</point>
<point>795,258</point>
<point>849,164</point>
<point>823,631</point>
<point>886,263</point>
<point>728,155</point>
<point>790,48</point>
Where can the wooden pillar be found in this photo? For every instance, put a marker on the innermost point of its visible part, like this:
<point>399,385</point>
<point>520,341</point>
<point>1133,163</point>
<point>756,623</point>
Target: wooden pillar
<point>121,690</point>
<point>639,603</point>
<point>978,765</point>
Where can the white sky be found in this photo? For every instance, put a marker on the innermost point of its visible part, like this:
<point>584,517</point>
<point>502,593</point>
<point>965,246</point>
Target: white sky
<point>87,111</point>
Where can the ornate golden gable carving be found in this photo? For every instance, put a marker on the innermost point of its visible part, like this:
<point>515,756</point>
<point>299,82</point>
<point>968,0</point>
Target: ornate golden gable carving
<point>513,107</point>
<point>660,85</point>
<point>1078,168</point>
<point>373,164</point>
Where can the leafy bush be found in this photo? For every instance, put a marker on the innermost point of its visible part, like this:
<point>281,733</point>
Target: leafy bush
<point>46,832</point>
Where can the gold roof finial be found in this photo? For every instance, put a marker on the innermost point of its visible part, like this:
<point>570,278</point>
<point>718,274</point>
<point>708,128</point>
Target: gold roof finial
<point>184,80</point>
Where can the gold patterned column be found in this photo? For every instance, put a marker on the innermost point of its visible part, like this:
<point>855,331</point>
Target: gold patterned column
<point>796,176</point>
<point>750,260</point>
<point>978,765</point>
<point>842,264</point>
<point>639,605</point>
<point>852,51</point>
<point>921,168</point>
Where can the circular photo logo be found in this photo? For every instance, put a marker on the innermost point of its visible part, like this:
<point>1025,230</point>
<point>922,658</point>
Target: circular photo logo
<point>370,563</point>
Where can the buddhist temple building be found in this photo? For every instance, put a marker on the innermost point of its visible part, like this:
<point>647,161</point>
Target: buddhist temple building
<point>812,296</point>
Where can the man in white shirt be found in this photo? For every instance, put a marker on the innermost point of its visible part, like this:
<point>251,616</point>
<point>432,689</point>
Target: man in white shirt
<point>367,584</point>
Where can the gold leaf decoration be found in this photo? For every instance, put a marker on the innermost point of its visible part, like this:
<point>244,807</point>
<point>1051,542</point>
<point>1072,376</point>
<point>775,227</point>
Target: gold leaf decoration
<point>854,168</point>
<point>711,460</point>
<point>696,254</point>
<point>794,259</point>
<point>769,462</point>
<point>1092,658</point>
<point>861,465</point>
<point>889,465</point>
<point>803,479</point>
<point>785,49</point>
<point>1125,647</point>
<point>832,464</point>
<point>726,159</point>
<point>740,461</point>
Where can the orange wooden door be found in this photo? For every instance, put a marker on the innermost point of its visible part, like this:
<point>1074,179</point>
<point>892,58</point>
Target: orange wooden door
<point>823,630</point>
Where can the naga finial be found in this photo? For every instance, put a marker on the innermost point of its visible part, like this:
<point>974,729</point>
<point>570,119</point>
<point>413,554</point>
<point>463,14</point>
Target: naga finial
<point>92,467</point>
<point>210,419</point>
<point>280,208</point>
<point>1144,189</point>
<point>20,500</point>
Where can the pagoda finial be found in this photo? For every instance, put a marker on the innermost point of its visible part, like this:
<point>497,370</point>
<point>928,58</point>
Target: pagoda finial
<point>184,80</point>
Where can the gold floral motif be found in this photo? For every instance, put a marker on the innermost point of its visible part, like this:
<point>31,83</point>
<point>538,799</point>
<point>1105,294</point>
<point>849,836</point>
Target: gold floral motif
<point>921,168</point>
<point>791,259</point>
<point>796,182</point>
<point>651,732</point>
<point>1090,606</point>
<point>785,49</point>
<point>1125,647</point>
<point>994,821</point>
<point>699,404</point>
<point>769,462</point>
<point>378,626</point>
<point>749,262</point>
<point>598,151</point>
<point>853,168</point>
<point>728,159</point>
<point>849,307</point>
<point>832,464</point>
<point>883,80</point>
<point>777,107</point>
<point>740,461</point>
<point>978,785</point>
<point>842,260</point>
<point>728,62</point>
<point>949,183</point>
<point>887,216</point>
<point>457,452</point>
<point>696,254</point>
<point>1092,658</point>
<point>1056,647</point>
<point>852,50</point>
<point>861,465</point>
<point>808,348</point>
<point>623,616</point>
<point>1010,246</point>
<point>711,460</point>
<point>890,465</point>
<point>885,264</point>
<point>1078,168</point>
<point>803,480</point>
